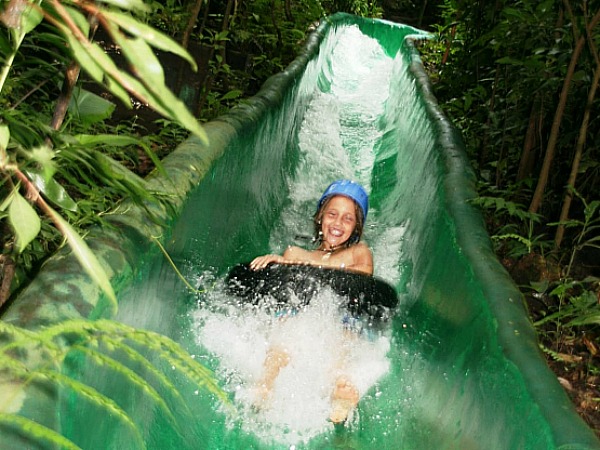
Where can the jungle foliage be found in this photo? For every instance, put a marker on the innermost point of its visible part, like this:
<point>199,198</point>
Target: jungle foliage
<point>520,80</point>
<point>68,71</point>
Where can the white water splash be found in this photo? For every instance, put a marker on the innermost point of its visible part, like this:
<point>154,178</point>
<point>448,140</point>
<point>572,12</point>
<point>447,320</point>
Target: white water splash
<point>320,350</point>
<point>337,139</point>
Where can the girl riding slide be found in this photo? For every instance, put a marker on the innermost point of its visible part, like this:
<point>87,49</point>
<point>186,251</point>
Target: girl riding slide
<point>339,222</point>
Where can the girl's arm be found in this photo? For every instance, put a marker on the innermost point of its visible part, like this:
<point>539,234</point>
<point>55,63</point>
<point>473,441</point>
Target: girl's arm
<point>362,260</point>
<point>289,256</point>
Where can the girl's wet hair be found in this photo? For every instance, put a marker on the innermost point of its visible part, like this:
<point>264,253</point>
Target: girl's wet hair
<point>358,229</point>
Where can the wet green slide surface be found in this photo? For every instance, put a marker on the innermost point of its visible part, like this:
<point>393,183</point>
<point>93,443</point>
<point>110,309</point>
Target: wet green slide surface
<point>457,367</point>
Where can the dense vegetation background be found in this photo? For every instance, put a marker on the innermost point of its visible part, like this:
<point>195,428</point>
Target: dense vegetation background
<point>518,78</point>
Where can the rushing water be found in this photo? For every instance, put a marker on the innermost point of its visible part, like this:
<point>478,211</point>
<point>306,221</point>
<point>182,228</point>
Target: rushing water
<point>260,197</point>
<point>336,140</point>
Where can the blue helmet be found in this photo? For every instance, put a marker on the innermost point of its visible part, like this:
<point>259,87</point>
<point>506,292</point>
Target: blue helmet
<point>348,189</point>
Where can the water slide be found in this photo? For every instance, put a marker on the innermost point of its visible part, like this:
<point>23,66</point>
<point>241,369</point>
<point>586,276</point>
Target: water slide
<point>456,367</point>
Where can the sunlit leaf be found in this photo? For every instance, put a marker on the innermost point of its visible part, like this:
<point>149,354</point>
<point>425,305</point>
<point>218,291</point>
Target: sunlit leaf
<point>86,257</point>
<point>90,108</point>
<point>24,220</point>
<point>147,65</point>
<point>31,18</point>
<point>151,84</point>
<point>153,37</point>
<point>232,94</point>
<point>115,140</point>
<point>43,155</point>
<point>130,5</point>
<point>52,190</point>
<point>83,57</point>
<point>4,139</point>
<point>94,60</point>
<point>80,20</point>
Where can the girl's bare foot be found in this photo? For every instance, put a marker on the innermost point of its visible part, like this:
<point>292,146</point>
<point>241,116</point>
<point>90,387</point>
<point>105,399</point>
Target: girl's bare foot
<point>343,400</point>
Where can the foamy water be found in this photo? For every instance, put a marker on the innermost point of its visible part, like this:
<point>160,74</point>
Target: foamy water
<point>337,140</point>
<point>319,347</point>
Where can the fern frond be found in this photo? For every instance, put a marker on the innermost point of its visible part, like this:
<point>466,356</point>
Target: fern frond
<point>171,352</point>
<point>33,430</point>
<point>137,358</point>
<point>96,398</point>
<point>23,339</point>
<point>181,361</point>
<point>114,365</point>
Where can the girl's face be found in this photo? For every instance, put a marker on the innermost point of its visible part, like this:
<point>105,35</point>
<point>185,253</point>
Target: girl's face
<point>338,220</point>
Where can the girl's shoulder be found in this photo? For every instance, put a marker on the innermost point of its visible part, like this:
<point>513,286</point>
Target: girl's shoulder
<point>361,247</point>
<point>292,252</point>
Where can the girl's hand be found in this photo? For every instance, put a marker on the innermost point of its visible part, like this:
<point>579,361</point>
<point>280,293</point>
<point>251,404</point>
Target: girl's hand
<point>261,262</point>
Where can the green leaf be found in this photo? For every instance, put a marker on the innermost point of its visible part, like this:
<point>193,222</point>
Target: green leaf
<point>93,140</point>
<point>232,94</point>
<point>47,437</point>
<point>24,220</point>
<point>151,87</point>
<point>83,56</point>
<point>90,108</point>
<point>43,155</point>
<point>146,64</point>
<point>97,64</point>
<point>4,136</point>
<point>31,18</point>
<point>4,139</point>
<point>153,37</point>
<point>52,190</point>
<point>85,257</point>
<point>510,61</point>
<point>111,408</point>
<point>79,19</point>
<point>129,5</point>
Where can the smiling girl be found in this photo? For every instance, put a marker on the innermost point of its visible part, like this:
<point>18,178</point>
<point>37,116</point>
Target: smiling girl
<point>339,222</point>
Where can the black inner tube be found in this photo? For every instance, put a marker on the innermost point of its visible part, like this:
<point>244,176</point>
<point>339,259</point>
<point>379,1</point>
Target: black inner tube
<point>366,295</point>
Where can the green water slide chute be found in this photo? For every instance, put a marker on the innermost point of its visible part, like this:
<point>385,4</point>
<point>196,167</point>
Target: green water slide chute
<point>466,371</point>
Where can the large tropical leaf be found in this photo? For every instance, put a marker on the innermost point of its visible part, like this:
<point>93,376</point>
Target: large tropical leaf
<point>90,108</point>
<point>85,256</point>
<point>24,220</point>
<point>52,190</point>
<point>153,37</point>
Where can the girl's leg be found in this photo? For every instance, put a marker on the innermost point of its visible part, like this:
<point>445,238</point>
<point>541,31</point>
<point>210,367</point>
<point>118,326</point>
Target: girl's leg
<point>277,358</point>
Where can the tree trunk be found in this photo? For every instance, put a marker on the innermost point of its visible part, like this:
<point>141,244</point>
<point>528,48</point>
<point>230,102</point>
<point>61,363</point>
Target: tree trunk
<point>274,17</point>
<point>422,13</point>
<point>483,154</point>
<point>220,45</point>
<point>7,273</point>
<point>71,77</point>
<point>564,214</point>
<point>194,13</point>
<point>288,11</point>
<point>538,195</point>
<point>62,103</point>
<point>185,42</point>
<point>449,44</point>
<point>226,19</point>
<point>533,128</point>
